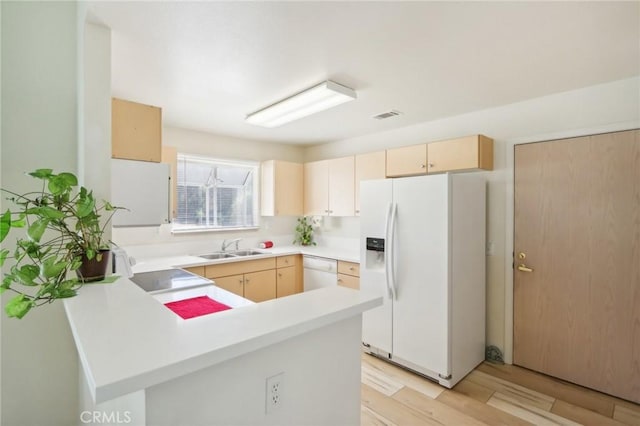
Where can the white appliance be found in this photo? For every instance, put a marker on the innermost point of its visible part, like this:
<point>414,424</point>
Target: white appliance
<point>423,250</point>
<point>143,188</point>
<point>319,272</point>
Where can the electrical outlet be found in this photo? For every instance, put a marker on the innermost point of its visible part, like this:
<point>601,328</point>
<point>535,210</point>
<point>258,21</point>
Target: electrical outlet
<point>274,392</point>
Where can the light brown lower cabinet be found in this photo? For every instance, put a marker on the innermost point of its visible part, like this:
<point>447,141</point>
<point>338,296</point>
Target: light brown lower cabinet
<point>260,286</point>
<point>259,279</point>
<point>349,281</point>
<point>286,281</point>
<point>349,274</point>
<point>233,283</point>
<point>255,286</point>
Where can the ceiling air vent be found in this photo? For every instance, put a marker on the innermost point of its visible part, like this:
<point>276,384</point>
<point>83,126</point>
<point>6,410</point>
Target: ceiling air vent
<point>387,114</point>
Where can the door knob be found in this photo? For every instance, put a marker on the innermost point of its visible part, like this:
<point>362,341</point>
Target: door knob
<point>522,267</point>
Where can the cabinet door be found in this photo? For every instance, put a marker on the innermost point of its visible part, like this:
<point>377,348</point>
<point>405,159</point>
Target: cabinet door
<point>342,186</point>
<point>316,188</point>
<point>286,261</point>
<point>407,161</point>
<point>471,152</point>
<point>136,131</point>
<point>368,166</point>
<point>233,283</point>
<point>286,281</point>
<point>349,268</point>
<point>282,188</point>
<point>260,286</point>
<point>349,281</point>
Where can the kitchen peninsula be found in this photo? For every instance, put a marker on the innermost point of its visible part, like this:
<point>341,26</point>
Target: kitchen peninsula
<point>142,361</point>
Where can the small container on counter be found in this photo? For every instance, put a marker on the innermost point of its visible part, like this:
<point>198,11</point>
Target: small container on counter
<point>266,244</point>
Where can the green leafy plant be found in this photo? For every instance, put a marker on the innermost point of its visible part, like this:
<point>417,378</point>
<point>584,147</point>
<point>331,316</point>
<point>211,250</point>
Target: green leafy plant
<point>63,226</point>
<point>304,232</point>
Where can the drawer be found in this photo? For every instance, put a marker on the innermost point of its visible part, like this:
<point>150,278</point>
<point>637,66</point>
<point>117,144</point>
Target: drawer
<point>349,268</point>
<point>349,281</point>
<point>198,270</point>
<point>241,267</point>
<point>285,261</point>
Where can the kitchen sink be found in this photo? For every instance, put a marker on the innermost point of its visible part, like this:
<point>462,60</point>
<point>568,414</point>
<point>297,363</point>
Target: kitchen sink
<point>214,256</point>
<point>246,252</point>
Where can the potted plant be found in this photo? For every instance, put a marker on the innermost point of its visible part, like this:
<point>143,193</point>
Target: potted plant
<point>304,232</point>
<point>63,234</point>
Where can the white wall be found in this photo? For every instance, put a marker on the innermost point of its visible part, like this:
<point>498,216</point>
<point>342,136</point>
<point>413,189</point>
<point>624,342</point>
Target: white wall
<point>607,107</point>
<point>227,147</point>
<point>320,386</point>
<point>39,129</point>
<point>94,125</point>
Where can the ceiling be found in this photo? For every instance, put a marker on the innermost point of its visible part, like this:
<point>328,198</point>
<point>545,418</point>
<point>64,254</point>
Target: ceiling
<point>209,64</point>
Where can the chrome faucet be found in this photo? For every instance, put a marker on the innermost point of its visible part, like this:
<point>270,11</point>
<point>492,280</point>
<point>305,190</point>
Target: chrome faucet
<point>226,244</point>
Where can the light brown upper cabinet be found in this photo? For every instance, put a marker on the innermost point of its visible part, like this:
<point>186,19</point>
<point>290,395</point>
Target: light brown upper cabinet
<point>468,153</point>
<point>368,166</point>
<point>136,131</point>
<point>170,156</point>
<point>407,161</point>
<point>329,187</point>
<point>282,188</point>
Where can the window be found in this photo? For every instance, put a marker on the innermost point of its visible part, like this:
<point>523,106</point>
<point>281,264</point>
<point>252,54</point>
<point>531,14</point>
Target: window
<point>216,194</point>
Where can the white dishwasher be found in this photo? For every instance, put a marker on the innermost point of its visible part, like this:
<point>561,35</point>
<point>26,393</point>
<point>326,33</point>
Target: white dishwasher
<point>319,272</point>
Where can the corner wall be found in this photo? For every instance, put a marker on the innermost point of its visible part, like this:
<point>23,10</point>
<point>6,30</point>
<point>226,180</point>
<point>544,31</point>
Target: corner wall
<point>596,109</point>
<point>39,129</point>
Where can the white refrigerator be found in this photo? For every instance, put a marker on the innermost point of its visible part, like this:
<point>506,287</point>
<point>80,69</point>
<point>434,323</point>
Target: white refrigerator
<point>423,250</point>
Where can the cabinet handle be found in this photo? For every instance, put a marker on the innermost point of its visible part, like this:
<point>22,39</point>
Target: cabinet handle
<point>326,211</point>
<point>286,261</point>
<point>357,211</point>
<point>240,280</point>
<point>422,166</point>
<point>431,165</point>
<point>330,211</point>
<point>339,280</point>
<point>351,268</point>
<point>279,274</point>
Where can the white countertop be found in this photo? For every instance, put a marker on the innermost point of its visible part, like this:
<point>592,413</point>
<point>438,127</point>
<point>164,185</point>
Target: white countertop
<point>183,261</point>
<point>128,340</point>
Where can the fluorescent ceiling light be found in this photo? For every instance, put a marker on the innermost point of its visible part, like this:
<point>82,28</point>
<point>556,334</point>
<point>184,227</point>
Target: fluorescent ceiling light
<point>318,98</point>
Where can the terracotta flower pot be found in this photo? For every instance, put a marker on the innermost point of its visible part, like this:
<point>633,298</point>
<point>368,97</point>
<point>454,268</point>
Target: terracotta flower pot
<point>93,269</point>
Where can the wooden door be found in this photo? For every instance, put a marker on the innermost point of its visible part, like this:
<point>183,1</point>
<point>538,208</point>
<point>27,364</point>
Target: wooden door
<point>342,186</point>
<point>407,161</point>
<point>577,225</point>
<point>288,183</point>
<point>286,281</point>
<point>316,188</point>
<point>349,281</point>
<point>260,286</point>
<point>136,131</point>
<point>470,152</point>
<point>233,283</point>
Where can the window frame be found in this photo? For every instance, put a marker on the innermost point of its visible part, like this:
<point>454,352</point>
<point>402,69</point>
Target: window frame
<point>177,228</point>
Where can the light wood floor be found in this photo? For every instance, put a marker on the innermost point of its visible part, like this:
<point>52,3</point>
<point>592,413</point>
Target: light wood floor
<point>490,395</point>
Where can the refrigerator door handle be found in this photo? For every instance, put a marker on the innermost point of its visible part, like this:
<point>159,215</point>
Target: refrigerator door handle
<point>392,251</point>
<point>387,257</point>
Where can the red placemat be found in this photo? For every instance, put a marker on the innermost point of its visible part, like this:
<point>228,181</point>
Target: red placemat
<point>196,306</point>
